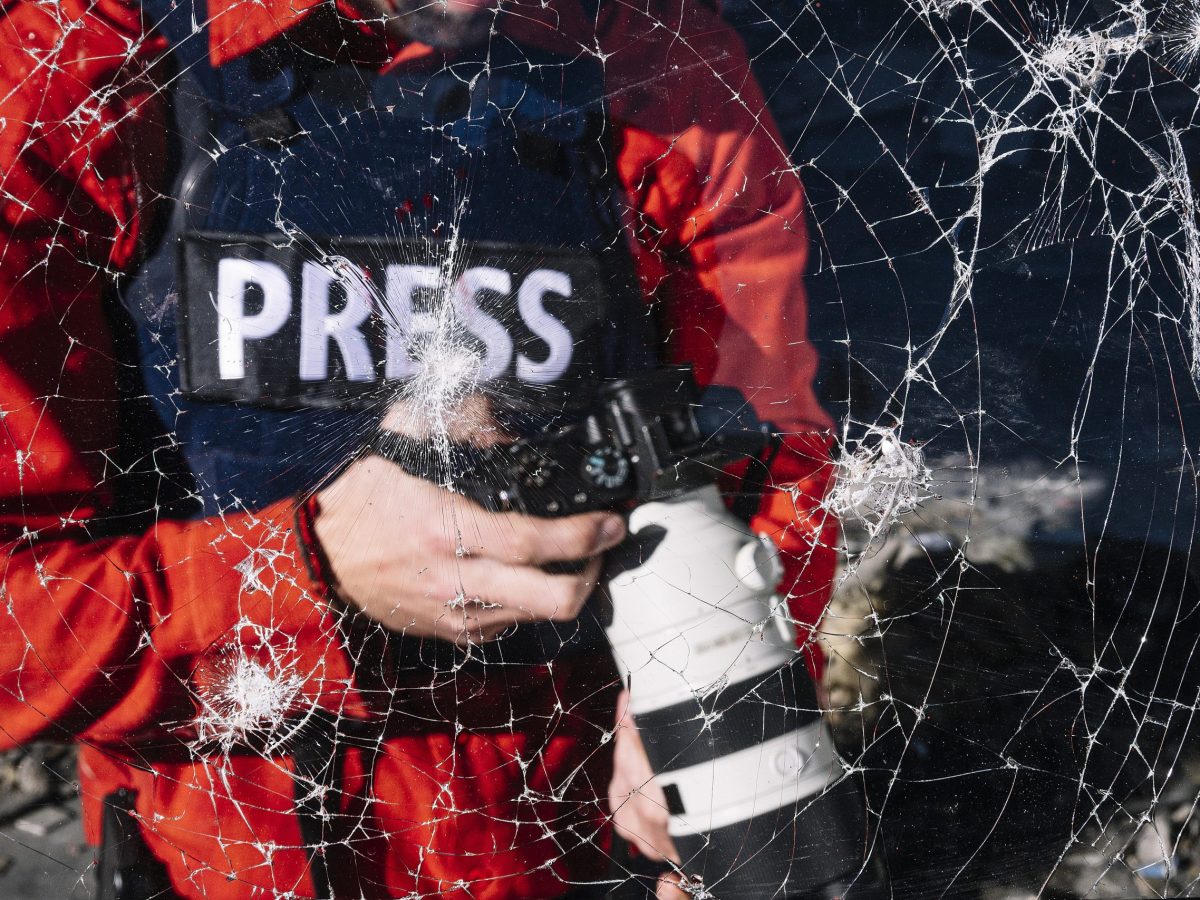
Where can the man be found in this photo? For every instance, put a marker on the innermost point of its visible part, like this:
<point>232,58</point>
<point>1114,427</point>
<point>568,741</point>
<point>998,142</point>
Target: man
<point>211,668</point>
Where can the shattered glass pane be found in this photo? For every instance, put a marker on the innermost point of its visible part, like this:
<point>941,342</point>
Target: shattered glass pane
<point>512,449</point>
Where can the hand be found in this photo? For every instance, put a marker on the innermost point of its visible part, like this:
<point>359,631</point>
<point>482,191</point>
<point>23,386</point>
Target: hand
<point>427,562</point>
<point>638,805</point>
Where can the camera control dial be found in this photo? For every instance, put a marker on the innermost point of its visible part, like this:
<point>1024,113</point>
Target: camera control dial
<point>606,467</point>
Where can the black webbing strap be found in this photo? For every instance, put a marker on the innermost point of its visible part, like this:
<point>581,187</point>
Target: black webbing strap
<point>463,466</point>
<point>754,482</point>
<point>318,763</point>
<point>126,869</point>
<point>184,23</point>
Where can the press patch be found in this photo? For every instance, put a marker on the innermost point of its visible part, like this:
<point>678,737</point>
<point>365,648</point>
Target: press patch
<point>270,323</point>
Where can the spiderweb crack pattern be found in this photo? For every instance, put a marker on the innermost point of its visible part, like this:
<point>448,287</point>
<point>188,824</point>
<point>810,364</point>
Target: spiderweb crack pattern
<point>1005,293</point>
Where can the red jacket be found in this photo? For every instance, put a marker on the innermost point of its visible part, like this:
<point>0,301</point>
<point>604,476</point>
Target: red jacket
<point>109,640</point>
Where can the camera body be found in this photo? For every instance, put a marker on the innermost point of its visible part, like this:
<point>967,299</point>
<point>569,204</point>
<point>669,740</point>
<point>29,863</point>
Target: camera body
<point>640,440</point>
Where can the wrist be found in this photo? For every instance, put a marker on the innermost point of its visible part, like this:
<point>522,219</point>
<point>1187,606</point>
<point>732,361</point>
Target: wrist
<point>312,553</point>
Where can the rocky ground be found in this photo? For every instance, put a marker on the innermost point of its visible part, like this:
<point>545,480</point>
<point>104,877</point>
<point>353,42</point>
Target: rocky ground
<point>42,852</point>
<point>971,677</point>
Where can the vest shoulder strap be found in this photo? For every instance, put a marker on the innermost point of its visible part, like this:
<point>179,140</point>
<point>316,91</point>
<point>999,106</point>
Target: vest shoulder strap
<point>242,89</point>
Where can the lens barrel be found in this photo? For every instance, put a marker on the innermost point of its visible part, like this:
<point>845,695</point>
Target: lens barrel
<point>760,805</point>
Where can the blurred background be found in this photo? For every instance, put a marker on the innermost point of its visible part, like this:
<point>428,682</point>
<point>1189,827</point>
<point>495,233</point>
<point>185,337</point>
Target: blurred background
<point>1004,294</point>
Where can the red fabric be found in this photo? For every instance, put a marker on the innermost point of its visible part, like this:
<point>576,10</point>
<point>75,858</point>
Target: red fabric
<point>109,640</point>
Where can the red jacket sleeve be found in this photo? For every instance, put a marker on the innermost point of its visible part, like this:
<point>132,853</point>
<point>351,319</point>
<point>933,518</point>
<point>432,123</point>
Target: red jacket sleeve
<point>100,638</point>
<point>717,211</point>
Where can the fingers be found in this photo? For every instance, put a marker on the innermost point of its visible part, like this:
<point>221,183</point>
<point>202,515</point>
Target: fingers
<point>492,597</point>
<point>640,821</point>
<point>638,805</point>
<point>525,593</point>
<point>623,716</point>
<point>476,599</point>
<point>668,888</point>
<point>448,522</point>
<point>424,561</point>
<point>514,538</point>
<point>497,596</point>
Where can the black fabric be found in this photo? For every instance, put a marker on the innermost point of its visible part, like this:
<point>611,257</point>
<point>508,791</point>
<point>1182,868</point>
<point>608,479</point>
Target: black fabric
<point>318,763</point>
<point>741,715</point>
<point>126,869</point>
<point>556,341</point>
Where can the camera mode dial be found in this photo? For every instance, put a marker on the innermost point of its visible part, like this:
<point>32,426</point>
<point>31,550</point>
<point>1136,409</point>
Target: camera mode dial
<point>606,467</point>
